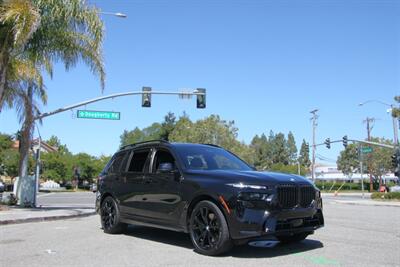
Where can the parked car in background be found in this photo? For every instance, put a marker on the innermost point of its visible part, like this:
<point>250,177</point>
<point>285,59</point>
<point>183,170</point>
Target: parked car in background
<point>206,191</point>
<point>93,188</point>
<point>2,187</point>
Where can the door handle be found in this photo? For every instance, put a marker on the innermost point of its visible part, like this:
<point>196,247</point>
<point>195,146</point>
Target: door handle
<point>148,181</point>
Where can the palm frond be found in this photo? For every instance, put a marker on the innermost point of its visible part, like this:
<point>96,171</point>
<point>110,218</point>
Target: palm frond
<point>22,17</point>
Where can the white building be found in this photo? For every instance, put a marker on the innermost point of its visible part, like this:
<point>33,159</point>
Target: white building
<point>330,172</point>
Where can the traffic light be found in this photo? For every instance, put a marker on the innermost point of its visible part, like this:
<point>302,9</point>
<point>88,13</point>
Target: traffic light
<point>307,147</point>
<point>146,97</point>
<point>345,141</point>
<point>328,143</point>
<point>396,162</point>
<point>201,99</point>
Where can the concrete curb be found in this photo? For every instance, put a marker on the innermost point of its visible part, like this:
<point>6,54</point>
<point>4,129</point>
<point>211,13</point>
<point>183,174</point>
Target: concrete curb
<point>47,218</point>
<point>368,204</point>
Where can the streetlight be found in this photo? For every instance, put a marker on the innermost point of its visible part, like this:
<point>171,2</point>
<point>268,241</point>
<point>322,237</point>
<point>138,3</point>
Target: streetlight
<point>117,14</point>
<point>395,131</point>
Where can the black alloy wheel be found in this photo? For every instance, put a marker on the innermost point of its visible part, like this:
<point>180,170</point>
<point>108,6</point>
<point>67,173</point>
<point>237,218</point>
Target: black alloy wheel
<point>208,229</point>
<point>110,217</point>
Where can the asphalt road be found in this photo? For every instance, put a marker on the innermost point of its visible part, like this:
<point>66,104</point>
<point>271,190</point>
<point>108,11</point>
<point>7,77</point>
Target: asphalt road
<point>354,236</point>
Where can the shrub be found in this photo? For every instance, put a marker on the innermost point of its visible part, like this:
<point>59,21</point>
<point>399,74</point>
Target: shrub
<point>390,195</point>
<point>347,186</point>
<point>68,186</point>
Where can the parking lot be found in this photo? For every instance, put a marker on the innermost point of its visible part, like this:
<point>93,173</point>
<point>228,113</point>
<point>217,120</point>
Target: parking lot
<point>354,235</point>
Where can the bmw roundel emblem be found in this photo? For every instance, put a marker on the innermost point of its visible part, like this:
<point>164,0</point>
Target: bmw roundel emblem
<point>292,180</point>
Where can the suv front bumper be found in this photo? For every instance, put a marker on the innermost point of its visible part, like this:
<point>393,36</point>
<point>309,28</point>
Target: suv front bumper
<point>250,223</point>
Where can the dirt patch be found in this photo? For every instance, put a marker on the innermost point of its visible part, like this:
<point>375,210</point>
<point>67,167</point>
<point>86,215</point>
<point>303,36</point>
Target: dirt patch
<point>3,207</point>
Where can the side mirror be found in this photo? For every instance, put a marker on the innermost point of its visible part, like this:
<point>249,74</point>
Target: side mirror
<point>165,167</point>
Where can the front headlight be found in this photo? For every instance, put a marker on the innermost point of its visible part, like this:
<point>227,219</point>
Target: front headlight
<point>248,186</point>
<point>252,196</point>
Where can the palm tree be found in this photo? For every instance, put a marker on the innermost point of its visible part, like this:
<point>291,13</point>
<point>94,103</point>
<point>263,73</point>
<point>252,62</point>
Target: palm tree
<point>46,31</point>
<point>19,19</point>
<point>35,34</point>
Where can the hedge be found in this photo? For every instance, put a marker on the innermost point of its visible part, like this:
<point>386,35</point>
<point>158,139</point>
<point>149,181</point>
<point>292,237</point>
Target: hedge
<point>390,195</point>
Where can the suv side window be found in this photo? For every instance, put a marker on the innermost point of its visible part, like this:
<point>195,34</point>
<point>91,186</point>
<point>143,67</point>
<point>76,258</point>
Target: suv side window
<point>138,161</point>
<point>162,156</point>
<point>116,165</point>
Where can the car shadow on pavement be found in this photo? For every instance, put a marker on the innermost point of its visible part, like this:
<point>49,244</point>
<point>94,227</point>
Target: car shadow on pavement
<point>160,235</point>
<point>243,251</point>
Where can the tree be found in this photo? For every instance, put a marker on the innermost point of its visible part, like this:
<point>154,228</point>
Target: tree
<point>183,130</point>
<point>19,19</point>
<point>38,33</point>
<point>396,111</point>
<point>279,149</point>
<point>377,163</point>
<point>262,152</point>
<point>54,141</point>
<point>348,160</point>
<point>167,126</point>
<point>291,149</point>
<point>87,165</point>
<point>304,157</point>
<point>54,166</point>
<point>6,141</point>
<point>9,162</point>
<point>153,132</point>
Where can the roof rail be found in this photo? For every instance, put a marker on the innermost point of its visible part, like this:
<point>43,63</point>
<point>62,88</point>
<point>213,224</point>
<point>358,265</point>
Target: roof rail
<point>144,142</point>
<point>214,145</point>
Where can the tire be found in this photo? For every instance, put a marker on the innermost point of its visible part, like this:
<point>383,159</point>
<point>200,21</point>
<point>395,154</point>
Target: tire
<point>209,230</point>
<point>286,239</point>
<point>110,217</point>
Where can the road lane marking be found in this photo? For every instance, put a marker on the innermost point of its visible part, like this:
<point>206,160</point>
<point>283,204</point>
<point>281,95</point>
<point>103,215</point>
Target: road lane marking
<point>318,260</point>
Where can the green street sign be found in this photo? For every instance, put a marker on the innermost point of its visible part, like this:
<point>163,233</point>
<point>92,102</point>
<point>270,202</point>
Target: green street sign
<point>103,115</point>
<point>366,150</point>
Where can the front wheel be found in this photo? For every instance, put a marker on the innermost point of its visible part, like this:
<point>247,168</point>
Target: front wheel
<point>285,239</point>
<point>110,217</point>
<point>209,230</point>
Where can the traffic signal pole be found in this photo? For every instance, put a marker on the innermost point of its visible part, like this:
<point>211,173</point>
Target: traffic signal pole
<point>359,141</point>
<point>200,93</point>
<point>97,99</point>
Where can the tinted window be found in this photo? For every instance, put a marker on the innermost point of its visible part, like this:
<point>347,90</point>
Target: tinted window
<point>162,156</point>
<point>209,158</point>
<point>116,165</point>
<point>138,161</point>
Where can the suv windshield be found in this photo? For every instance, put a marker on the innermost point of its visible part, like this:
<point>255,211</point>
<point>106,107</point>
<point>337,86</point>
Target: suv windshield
<point>209,158</point>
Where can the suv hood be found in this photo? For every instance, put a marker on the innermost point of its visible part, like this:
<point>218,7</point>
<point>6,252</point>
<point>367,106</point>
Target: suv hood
<point>250,177</point>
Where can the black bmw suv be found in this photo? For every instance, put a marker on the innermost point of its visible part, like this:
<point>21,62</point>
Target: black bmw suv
<point>205,191</point>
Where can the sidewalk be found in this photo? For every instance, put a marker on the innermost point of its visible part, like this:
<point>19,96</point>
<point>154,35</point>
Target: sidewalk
<point>357,199</point>
<point>12,215</point>
<point>370,202</point>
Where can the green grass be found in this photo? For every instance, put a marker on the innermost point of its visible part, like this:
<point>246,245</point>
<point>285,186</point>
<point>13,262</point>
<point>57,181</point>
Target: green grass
<point>386,196</point>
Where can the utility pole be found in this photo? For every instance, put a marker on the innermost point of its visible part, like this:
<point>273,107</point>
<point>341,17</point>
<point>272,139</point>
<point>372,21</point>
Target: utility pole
<point>314,125</point>
<point>360,159</point>
<point>369,122</point>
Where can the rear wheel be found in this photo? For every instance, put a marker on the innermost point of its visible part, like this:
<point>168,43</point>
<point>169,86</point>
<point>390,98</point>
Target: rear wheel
<point>285,239</point>
<point>110,217</point>
<point>208,229</point>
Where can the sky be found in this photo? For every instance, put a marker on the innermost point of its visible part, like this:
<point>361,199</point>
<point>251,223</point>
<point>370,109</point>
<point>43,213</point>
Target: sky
<point>265,65</point>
